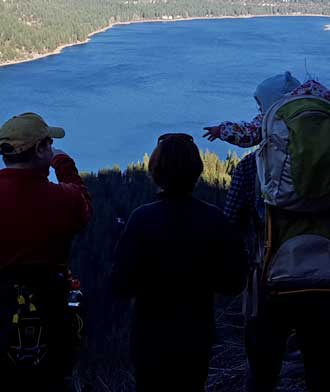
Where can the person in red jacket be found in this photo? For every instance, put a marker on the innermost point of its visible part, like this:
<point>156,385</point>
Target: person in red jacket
<point>38,221</point>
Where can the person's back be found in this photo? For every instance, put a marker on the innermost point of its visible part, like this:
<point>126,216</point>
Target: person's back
<point>174,255</point>
<point>178,272</point>
<point>40,218</point>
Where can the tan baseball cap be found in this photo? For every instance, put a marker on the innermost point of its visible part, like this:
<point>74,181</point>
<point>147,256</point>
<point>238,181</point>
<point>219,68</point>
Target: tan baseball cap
<point>24,131</point>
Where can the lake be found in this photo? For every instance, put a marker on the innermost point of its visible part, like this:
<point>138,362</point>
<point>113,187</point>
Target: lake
<point>116,94</point>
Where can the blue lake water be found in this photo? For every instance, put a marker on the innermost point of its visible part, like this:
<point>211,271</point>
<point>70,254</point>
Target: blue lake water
<point>116,94</point>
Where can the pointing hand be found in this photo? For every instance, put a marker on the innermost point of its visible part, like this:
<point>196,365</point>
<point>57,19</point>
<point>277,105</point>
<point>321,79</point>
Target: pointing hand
<point>212,133</point>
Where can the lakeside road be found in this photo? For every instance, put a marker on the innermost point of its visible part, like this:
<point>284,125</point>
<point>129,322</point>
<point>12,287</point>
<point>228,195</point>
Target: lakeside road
<point>165,19</point>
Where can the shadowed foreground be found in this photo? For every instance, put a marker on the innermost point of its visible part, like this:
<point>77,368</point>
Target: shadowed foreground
<point>104,364</point>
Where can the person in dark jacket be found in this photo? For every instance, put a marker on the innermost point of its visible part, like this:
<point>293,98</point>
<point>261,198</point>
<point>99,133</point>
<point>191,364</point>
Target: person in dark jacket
<point>173,256</point>
<point>39,220</point>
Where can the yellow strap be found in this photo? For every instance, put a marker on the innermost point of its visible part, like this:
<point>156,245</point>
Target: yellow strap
<point>268,243</point>
<point>15,318</point>
<point>21,300</point>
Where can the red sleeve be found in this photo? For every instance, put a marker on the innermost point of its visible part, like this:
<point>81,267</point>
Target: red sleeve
<point>72,184</point>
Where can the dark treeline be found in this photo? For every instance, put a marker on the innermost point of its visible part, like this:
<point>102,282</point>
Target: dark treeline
<point>115,194</point>
<point>33,27</point>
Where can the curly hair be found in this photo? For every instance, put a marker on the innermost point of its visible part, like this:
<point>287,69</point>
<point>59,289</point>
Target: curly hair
<point>175,164</point>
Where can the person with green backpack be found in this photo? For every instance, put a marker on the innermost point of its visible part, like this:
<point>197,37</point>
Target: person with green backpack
<point>283,188</point>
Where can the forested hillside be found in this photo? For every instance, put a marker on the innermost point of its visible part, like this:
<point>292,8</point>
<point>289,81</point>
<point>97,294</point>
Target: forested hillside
<point>33,27</point>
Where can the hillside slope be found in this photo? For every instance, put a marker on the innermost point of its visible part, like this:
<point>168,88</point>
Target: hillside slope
<point>30,28</point>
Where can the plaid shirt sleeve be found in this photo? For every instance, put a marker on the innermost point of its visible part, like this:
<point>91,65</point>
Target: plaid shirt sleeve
<point>241,196</point>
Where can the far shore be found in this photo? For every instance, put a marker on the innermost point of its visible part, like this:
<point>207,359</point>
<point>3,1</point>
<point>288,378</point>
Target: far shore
<point>59,49</point>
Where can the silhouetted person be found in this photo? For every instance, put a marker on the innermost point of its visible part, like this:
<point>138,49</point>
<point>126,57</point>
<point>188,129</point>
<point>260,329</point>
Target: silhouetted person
<point>38,222</point>
<point>173,256</point>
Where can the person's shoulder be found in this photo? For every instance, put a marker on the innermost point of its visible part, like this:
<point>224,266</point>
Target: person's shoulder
<point>213,220</point>
<point>204,204</point>
<point>145,209</point>
<point>209,210</point>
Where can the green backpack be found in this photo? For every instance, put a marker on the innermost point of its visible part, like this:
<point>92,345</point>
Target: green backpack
<point>293,164</point>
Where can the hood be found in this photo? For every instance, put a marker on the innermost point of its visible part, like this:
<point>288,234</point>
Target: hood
<point>274,88</point>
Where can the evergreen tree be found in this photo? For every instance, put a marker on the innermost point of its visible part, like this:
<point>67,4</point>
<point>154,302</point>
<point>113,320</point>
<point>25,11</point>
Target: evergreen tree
<point>35,27</point>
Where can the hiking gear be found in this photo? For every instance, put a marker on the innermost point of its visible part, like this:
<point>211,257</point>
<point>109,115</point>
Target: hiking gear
<point>293,164</point>
<point>272,89</point>
<point>28,337</point>
<point>40,312</point>
<point>24,131</point>
<point>75,298</point>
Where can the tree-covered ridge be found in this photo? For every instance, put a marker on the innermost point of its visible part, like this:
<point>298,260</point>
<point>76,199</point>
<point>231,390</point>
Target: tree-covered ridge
<point>33,27</point>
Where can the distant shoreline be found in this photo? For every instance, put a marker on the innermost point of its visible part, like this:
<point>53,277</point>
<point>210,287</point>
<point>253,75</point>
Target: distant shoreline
<point>59,49</point>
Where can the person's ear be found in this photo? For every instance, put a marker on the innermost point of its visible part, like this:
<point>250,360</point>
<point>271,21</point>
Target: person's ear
<point>40,149</point>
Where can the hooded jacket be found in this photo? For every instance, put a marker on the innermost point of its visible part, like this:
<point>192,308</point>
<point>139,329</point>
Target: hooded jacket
<point>248,134</point>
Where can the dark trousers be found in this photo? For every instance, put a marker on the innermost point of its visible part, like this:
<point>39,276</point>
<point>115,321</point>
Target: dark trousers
<point>52,373</point>
<point>173,372</point>
<point>267,335</point>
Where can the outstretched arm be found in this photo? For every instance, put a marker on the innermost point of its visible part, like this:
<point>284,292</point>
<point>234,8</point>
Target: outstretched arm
<point>242,134</point>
